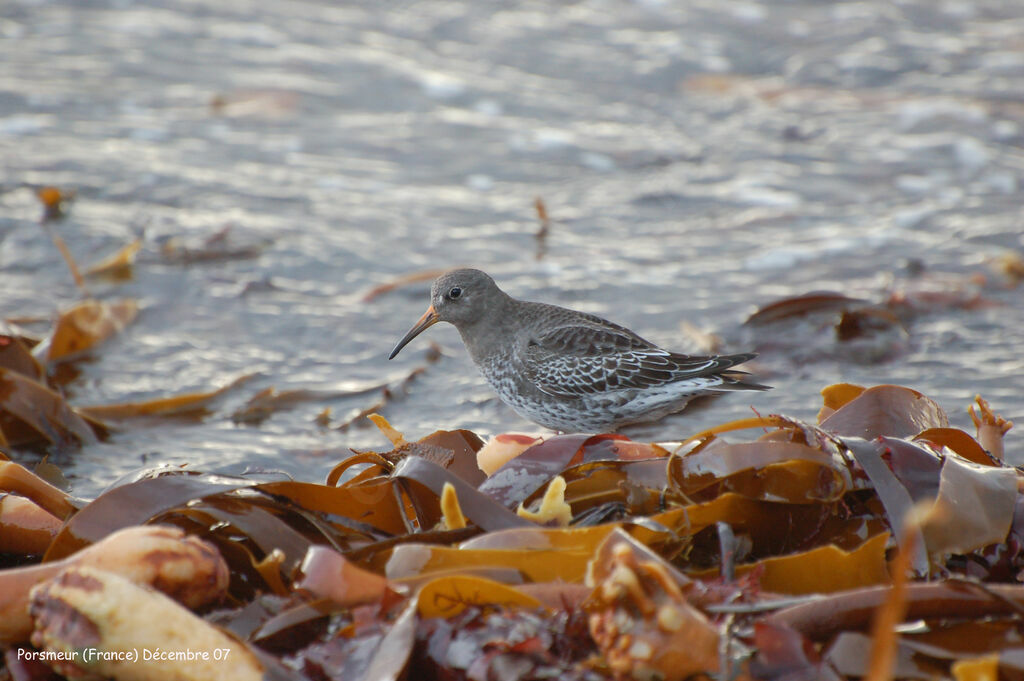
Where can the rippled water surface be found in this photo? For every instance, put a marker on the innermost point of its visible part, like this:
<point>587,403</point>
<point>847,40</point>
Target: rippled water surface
<point>698,159</point>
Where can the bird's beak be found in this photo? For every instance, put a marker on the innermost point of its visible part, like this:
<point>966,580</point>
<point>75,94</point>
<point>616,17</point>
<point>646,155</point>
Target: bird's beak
<point>428,319</point>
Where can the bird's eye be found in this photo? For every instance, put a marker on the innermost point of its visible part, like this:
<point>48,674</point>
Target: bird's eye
<point>455,293</point>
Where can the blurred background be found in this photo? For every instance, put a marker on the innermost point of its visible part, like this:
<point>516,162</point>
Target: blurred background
<point>696,160</point>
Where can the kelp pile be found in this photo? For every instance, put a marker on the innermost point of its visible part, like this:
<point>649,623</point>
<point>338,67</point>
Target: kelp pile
<point>876,542</point>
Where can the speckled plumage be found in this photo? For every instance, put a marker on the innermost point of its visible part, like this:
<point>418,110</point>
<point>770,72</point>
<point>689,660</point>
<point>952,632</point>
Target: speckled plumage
<point>566,370</point>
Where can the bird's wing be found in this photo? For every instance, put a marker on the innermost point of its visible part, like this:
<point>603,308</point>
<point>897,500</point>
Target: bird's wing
<point>582,359</point>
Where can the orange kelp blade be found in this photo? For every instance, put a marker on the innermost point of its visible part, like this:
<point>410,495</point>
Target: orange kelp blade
<point>31,413</point>
<point>190,406</point>
<point>117,266</point>
<point>85,326</point>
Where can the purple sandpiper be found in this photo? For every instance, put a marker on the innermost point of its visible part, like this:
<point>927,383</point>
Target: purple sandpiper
<point>567,370</point>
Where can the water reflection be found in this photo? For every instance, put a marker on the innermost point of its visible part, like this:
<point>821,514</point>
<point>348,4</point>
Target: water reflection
<point>696,161</point>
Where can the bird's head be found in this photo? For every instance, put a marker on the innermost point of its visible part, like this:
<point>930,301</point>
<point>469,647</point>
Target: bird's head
<point>460,297</point>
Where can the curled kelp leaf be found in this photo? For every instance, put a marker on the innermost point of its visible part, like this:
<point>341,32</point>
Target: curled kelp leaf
<point>453,450</point>
<point>481,509</point>
<point>890,410</point>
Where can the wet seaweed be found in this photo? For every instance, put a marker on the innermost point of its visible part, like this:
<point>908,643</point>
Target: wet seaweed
<point>747,559</point>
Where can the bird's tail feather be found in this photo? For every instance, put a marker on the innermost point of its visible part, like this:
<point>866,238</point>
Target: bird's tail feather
<point>739,380</point>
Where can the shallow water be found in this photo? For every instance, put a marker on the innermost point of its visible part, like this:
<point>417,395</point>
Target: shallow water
<point>698,159</point>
